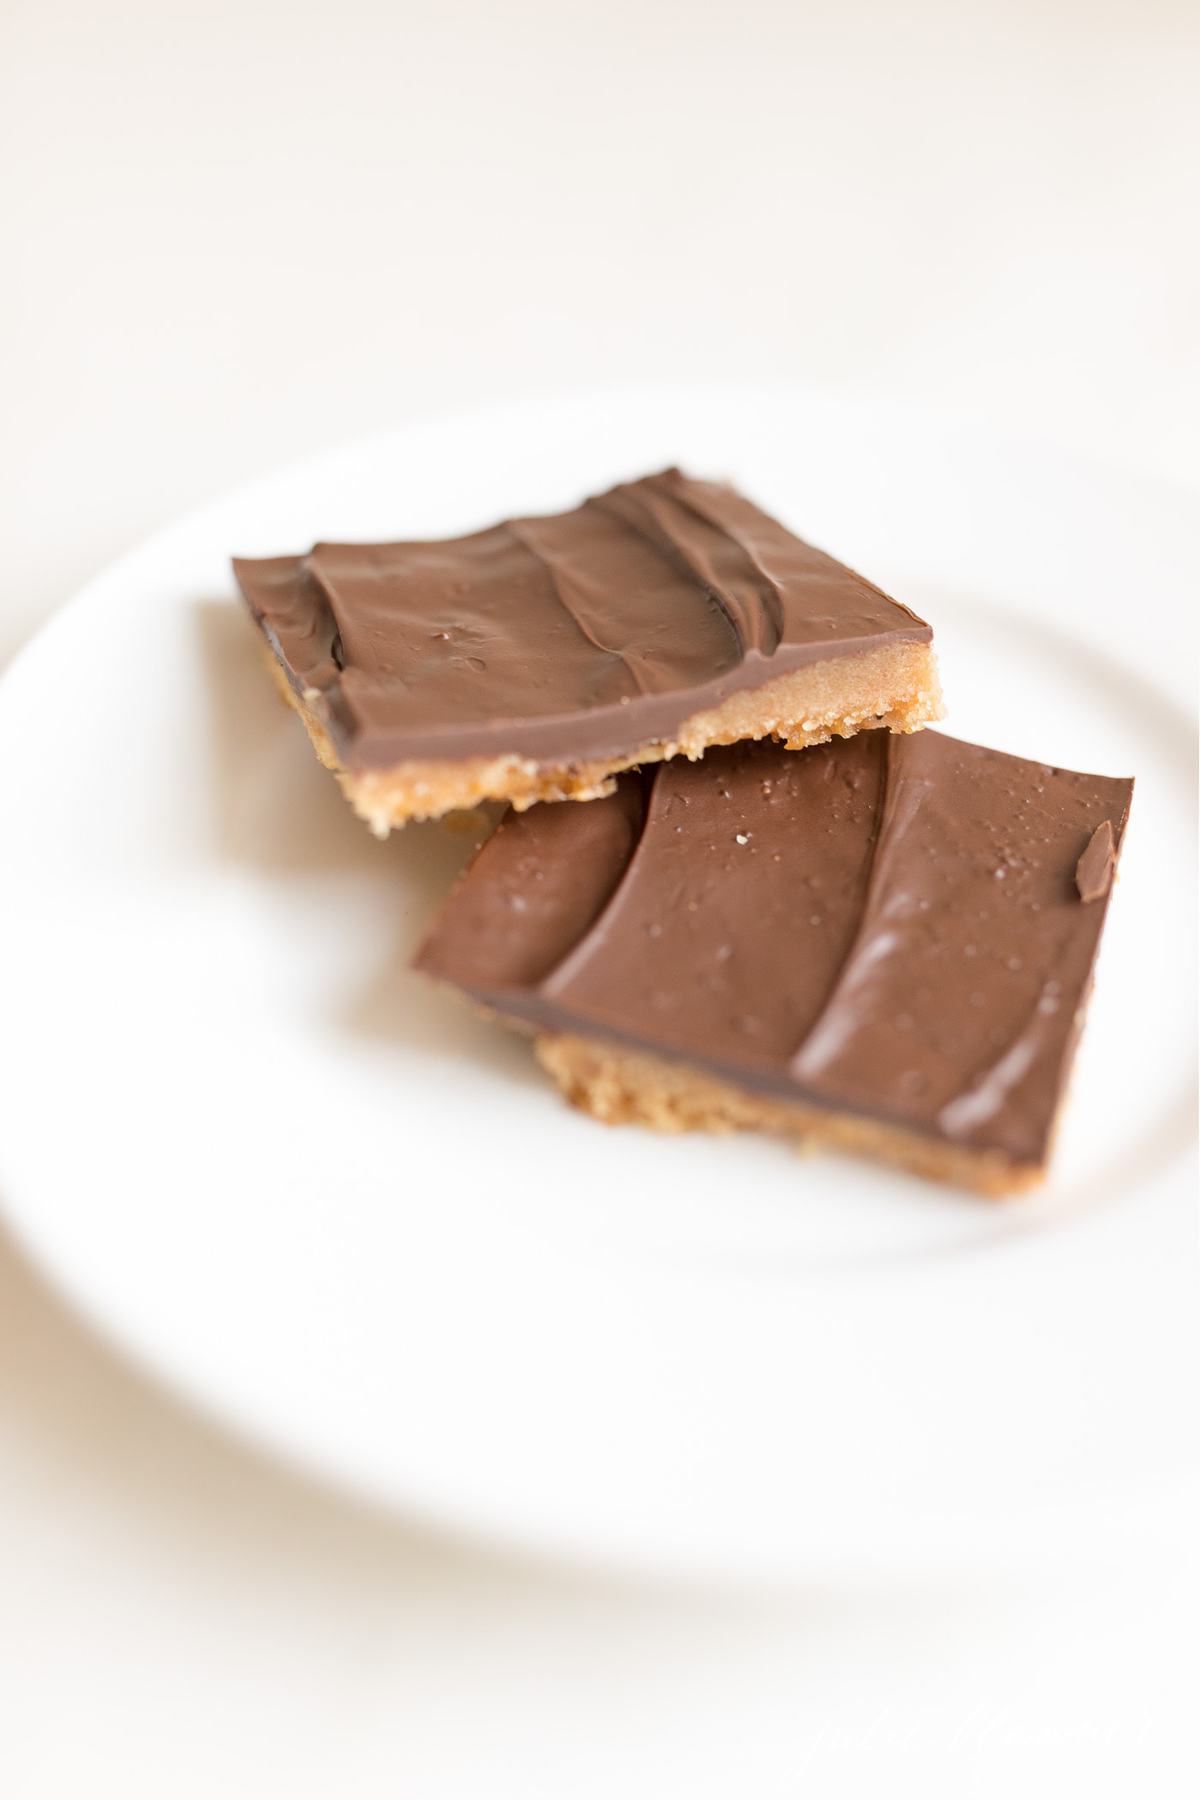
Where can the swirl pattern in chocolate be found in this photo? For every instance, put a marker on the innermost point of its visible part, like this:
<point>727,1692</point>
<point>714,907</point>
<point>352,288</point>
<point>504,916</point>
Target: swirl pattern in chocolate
<point>888,926</point>
<point>577,636</point>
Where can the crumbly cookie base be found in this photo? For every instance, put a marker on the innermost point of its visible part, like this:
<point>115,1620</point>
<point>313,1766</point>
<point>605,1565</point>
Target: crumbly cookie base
<point>893,685</point>
<point>627,1087</point>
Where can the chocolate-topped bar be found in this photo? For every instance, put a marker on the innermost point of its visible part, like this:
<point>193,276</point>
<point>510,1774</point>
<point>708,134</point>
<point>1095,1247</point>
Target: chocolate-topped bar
<point>885,944</point>
<point>534,660</point>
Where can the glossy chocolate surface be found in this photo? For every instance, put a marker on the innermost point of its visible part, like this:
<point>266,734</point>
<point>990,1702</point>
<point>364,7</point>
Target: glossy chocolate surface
<point>886,925</point>
<point>586,635</point>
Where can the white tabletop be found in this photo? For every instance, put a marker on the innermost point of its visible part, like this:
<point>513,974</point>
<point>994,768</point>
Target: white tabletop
<point>243,232</point>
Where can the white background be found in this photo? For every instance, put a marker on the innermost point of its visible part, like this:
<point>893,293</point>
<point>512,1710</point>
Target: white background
<point>234,233</point>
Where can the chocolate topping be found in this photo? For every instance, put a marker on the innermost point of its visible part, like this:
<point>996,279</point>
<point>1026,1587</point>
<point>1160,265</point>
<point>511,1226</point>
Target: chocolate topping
<point>1094,870</point>
<point>584,635</point>
<point>887,925</point>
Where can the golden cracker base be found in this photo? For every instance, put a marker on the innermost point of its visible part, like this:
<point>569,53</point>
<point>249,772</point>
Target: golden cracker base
<point>894,686</point>
<point>628,1087</point>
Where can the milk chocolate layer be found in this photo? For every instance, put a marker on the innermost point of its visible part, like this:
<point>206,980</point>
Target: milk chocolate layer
<point>887,926</point>
<point>581,636</point>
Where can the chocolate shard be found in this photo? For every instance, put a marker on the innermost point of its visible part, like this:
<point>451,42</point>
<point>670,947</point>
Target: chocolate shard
<point>883,930</point>
<point>1094,870</point>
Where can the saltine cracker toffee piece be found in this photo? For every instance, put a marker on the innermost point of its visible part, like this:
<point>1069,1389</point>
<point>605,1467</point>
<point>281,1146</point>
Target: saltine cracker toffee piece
<point>885,944</point>
<point>534,660</point>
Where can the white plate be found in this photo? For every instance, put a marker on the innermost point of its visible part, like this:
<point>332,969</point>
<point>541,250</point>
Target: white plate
<point>350,1218</point>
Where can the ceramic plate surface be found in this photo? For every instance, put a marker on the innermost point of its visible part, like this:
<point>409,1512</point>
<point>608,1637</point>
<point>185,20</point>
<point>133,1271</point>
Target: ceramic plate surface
<point>351,1219</point>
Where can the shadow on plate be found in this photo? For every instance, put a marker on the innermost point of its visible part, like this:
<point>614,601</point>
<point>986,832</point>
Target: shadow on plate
<point>275,810</point>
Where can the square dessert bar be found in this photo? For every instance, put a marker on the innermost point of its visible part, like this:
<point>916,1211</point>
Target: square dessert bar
<point>534,660</point>
<point>885,944</point>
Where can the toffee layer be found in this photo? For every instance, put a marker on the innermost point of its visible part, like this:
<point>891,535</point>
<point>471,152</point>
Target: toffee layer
<point>893,686</point>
